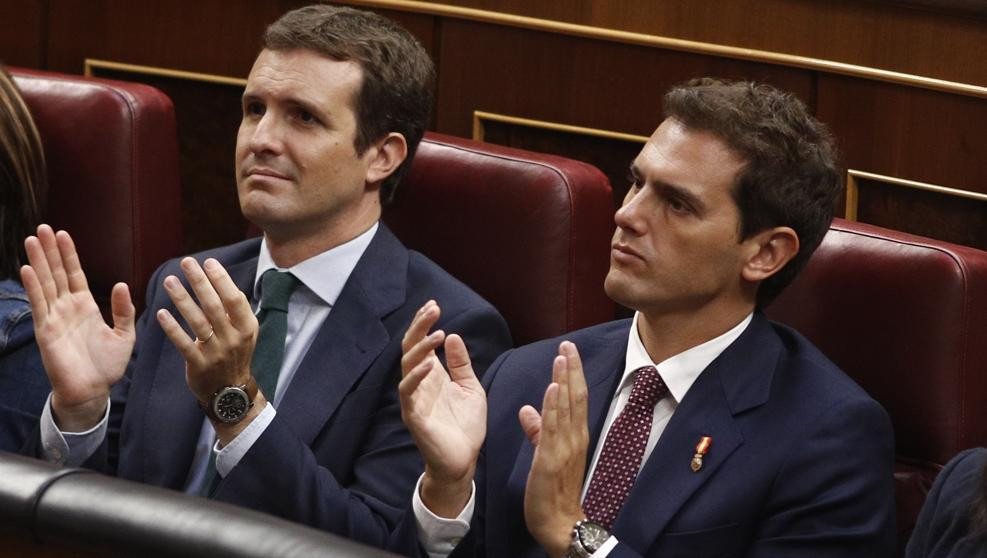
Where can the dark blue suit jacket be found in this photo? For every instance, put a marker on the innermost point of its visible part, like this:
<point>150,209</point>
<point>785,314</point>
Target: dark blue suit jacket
<point>800,463</point>
<point>337,456</point>
<point>943,529</point>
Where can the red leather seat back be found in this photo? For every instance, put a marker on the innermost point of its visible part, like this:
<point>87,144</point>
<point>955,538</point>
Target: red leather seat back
<point>529,232</point>
<point>112,157</point>
<point>906,317</point>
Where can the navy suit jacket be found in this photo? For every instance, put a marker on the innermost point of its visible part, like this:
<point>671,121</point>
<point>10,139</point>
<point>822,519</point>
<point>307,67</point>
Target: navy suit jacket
<point>944,527</point>
<point>337,455</point>
<point>800,462</point>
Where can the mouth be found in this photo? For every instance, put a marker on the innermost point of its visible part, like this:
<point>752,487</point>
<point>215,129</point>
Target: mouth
<point>264,172</point>
<point>624,253</point>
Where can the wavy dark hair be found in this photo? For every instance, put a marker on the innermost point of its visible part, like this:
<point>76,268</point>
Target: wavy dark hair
<point>23,178</point>
<point>398,76</point>
<point>791,178</point>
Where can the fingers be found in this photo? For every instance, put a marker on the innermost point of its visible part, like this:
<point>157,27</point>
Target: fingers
<point>578,391</point>
<point>232,298</point>
<point>530,423</point>
<point>422,352</point>
<point>458,359</point>
<point>54,258</point>
<point>424,319</point>
<point>209,302</point>
<point>35,294</point>
<point>122,309</point>
<point>185,345</point>
<point>187,307</point>
<point>76,278</point>
<point>39,262</point>
<point>560,376</point>
<point>550,416</point>
<point>411,380</point>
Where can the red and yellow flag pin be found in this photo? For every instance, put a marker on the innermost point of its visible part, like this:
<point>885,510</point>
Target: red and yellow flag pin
<point>701,449</point>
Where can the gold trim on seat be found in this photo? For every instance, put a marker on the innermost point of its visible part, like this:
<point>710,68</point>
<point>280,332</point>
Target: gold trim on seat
<point>479,131</point>
<point>91,64</point>
<point>853,189</point>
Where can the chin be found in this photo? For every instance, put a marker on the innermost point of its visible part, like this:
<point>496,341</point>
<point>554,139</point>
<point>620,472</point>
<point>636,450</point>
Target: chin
<point>261,215</point>
<point>616,288</point>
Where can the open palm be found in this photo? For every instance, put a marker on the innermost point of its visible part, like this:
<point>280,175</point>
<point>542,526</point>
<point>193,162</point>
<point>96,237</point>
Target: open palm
<point>82,355</point>
<point>446,413</point>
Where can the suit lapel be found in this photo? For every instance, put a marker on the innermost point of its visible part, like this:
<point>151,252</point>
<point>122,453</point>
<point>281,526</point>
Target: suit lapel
<point>351,338</point>
<point>738,380</point>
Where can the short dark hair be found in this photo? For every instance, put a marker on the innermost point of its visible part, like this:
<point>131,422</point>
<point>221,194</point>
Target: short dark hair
<point>791,177</point>
<point>23,178</point>
<point>398,76</point>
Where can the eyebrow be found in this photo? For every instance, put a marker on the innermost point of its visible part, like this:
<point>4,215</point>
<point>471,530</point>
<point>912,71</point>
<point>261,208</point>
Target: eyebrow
<point>294,102</point>
<point>671,190</point>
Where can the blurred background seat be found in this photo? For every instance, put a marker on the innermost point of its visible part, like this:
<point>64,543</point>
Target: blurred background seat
<point>112,159</point>
<point>529,232</point>
<point>906,317</point>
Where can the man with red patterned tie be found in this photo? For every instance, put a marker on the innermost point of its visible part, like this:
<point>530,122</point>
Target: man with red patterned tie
<point>697,428</point>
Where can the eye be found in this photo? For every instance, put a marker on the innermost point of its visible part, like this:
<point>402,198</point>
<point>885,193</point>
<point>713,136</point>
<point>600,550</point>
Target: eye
<point>306,117</point>
<point>635,182</point>
<point>253,108</point>
<point>678,206</point>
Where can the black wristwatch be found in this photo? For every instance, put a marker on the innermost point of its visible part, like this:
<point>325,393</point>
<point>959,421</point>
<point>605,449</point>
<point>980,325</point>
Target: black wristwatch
<point>231,403</point>
<point>587,538</point>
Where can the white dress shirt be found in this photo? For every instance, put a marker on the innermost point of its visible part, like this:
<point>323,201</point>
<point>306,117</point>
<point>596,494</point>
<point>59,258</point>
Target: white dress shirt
<point>322,278</point>
<point>440,535</point>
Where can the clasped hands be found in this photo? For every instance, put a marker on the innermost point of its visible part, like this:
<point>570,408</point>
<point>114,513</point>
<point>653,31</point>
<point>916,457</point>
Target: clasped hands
<point>445,412</point>
<point>84,357</point>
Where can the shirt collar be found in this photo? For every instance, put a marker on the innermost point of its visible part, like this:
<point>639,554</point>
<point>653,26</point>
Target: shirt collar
<point>679,371</point>
<point>325,273</point>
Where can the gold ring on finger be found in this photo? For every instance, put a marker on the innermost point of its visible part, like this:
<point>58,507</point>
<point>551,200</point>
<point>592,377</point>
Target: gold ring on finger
<point>207,338</point>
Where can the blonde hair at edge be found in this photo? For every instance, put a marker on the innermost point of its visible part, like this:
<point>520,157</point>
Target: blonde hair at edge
<point>23,180</point>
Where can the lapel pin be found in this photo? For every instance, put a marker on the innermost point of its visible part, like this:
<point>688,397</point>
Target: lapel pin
<point>701,448</point>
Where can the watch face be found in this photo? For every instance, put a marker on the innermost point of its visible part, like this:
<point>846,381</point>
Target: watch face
<point>231,404</point>
<point>592,536</point>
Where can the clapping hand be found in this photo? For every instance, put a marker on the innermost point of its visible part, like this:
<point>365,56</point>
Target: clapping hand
<point>225,331</point>
<point>82,355</point>
<point>561,437</point>
<point>446,412</point>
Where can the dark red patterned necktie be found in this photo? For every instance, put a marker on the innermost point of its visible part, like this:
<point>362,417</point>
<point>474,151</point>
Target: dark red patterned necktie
<point>620,459</point>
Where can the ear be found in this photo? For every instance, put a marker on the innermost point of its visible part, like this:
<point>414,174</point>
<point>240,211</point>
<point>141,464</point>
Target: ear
<point>767,252</point>
<point>385,155</point>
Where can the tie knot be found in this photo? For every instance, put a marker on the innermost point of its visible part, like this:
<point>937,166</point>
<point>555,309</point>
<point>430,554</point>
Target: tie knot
<point>276,288</point>
<point>648,388</point>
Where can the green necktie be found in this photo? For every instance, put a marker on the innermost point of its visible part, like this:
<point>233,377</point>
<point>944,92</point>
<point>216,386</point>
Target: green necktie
<point>276,289</point>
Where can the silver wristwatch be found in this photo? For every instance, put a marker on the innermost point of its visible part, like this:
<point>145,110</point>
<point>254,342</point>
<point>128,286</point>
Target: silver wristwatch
<point>587,538</point>
<point>230,404</point>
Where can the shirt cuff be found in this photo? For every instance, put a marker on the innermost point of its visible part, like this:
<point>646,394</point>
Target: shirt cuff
<point>228,457</point>
<point>70,449</point>
<point>606,548</point>
<point>440,535</point>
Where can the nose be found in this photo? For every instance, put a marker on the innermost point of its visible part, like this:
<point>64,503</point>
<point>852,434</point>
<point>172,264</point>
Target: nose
<point>629,217</point>
<point>265,136</point>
